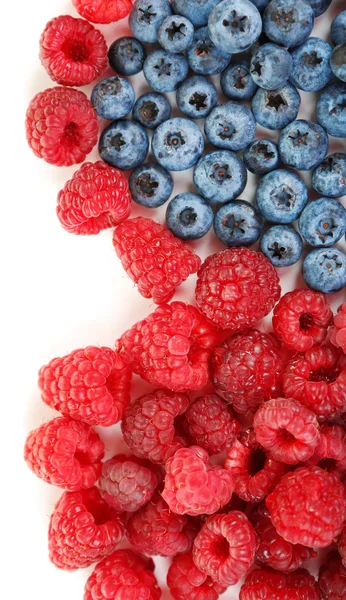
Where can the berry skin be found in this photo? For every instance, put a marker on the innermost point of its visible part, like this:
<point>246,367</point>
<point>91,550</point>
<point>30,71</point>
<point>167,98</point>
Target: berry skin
<point>330,453</point>
<point>236,81</point>
<point>332,578</point>
<point>281,196</point>
<point>329,177</point>
<point>324,270</point>
<point>312,519</point>
<point>231,126</point>
<point>65,453</point>
<point>103,11</point>
<point>323,222</point>
<point>277,108</point>
<point>303,144</point>
<point>165,71</point>
<point>75,128</point>
<point>175,33</point>
<point>151,185</point>
<point>338,29</point>
<point>338,61</point>
<point>203,57</point>
<point>113,98</point>
<point>311,68</point>
<point>82,530</point>
<point>282,245</point>
<point>126,56</point>
<point>187,582</point>
<point>220,176</point>
<point>330,109</point>
<point>124,144</point>
<point>196,10</point>
<point>271,66</point>
<point>261,156</point>
<point>189,216</point>
<point>342,546</point>
<point>90,385</point>
<point>152,109</point>
<point>337,332</point>
<point>288,22</point>
<point>196,97</point>
<point>177,144</point>
<point>146,17</point>
<point>72,51</point>
<point>235,25</point>
<point>266,584</point>
<point>238,223</point>
<point>301,319</point>
<point>97,197</point>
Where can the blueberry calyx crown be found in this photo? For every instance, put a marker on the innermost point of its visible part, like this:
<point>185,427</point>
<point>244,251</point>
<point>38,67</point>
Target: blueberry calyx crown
<point>175,31</point>
<point>146,16</point>
<point>198,101</point>
<point>284,196</point>
<point>275,100</point>
<point>163,67</point>
<point>146,185</point>
<point>117,142</point>
<point>277,251</point>
<point>235,22</point>
<point>188,216</point>
<point>175,140</point>
<point>149,111</point>
<point>220,173</point>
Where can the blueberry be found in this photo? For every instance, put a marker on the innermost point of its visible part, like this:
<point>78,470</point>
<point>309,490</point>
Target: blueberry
<point>338,29</point>
<point>151,185</point>
<point>197,11</point>
<point>277,108</point>
<point>261,157</point>
<point>303,145</point>
<point>329,177</point>
<point>231,126</point>
<point>204,57</point>
<point>281,196</point>
<point>220,176</point>
<point>164,71</point>
<point>238,223</point>
<point>319,6</point>
<point>282,245</point>
<point>324,270</point>
<point>338,61</point>
<point>323,222</point>
<point>236,81</point>
<point>152,109</point>
<point>113,98</point>
<point>196,97</point>
<point>123,144</point>
<point>271,66</point>
<point>146,17</point>
<point>177,144</point>
<point>189,216</point>
<point>235,25</point>
<point>176,33</point>
<point>126,56</point>
<point>331,109</point>
<point>288,22</point>
<point>311,68</point>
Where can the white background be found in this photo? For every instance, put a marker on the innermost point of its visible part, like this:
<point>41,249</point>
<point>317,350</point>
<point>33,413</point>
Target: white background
<point>59,292</point>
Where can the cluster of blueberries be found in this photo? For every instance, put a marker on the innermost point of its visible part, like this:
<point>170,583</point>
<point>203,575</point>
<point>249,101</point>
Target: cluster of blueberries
<point>274,57</point>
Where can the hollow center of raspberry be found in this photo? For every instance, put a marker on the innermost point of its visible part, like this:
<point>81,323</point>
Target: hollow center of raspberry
<point>286,436</point>
<point>98,511</point>
<point>76,50</point>
<point>221,547</point>
<point>306,321</point>
<point>322,374</point>
<point>327,464</point>
<point>71,134</point>
<point>82,458</point>
<point>257,462</point>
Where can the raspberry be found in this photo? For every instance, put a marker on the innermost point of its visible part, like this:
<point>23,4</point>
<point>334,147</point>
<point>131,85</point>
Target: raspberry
<point>247,370</point>
<point>314,507</point>
<point>171,347</point>
<point>95,198</point>
<point>236,288</point>
<point>286,429</point>
<point>91,385</point>
<point>193,486</point>
<point>265,584</point>
<point>337,332</point>
<point>342,546</point>
<point>103,11</point>
<point>332,578</point>
<point>124,574</point>
<point>65,453</point>
<point>187,582</point>
<point>82,530</point>
<point>330,454</point>
<point>301,319</point>
<point>317,379</point>
<point>225,547</point>
<point>126,484</point>
<point>72,51</point>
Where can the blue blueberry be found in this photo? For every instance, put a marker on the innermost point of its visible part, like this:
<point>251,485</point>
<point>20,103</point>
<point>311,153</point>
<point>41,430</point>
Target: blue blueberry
<point>113,98</point>
<point>197,11</point>
<point>151,185</point>
<point>164,71</point>
<point>238,223</point>
<point>277,108</point>
<point>338,61</point>
<point>231,126</point>
<point>152,109</point>
<point>323,222</point>
<point>124,144</point>
<point>236,81</point>
<point>235,25</point>
<point>311,68</point>
<point>126,56</point>
<point>338,29</point>
<point>220,176</point>
<point>146,17</point>
<point>177,144</point>
<point>329,177</point>
<point>331,109</point>
<point>281,196</point>
<point>319,6</point>
<point>288,22</point>
<point>303,145</point>
<point>204,57</point>
<point>261,156</point>
<point>282,245</point>
<point>324,270</point>
<point>176,34</point>
<point>271,66</point>
<point>196,97</point>
<point>189,216</point>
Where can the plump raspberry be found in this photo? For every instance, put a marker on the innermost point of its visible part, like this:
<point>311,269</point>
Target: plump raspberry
<point>65,453</point>
<point>156,530</point>
<point>247,369</point>
<point>154,258</point>
<point>103,11</point>
<point>72,51</point>
<point>317,379</point>
<point>330,454</point>
<point>301,319</point>
<point>187,582</point>
<point>337,332</point>
<point>286,429</point>
<point>90,384</point>
<point>314,502</point>
<point>61,126</point>
<point>342,546</point>
<point>332,578</point>
<point>97,197</point>
<point>171,347</point>
<point>82,530</point>
<point>225,547</point>
<point>236,288</point>
<point>265,584</point>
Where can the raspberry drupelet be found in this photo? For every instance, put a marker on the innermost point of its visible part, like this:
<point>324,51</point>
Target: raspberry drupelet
<point>337,332</point>
<point>103,11</point>
<point>154,258</point>
<point>330,454</point>
<point>342,546</point>
<point>65,453</point>
<point>187,582</point>
<point>265,584</point>
<point>332,578</point>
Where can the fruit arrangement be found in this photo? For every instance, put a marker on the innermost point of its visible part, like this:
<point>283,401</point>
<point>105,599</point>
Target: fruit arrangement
<point>236,461</point>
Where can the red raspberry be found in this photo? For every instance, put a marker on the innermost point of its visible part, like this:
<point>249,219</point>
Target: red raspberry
<point>171,347</point>
<point>65,453</point>
<point>91,385</point>
<point>301,319</point>
<point>95,198</point>
<point>265,584</point>
<point>317,379</point>
<point>342,546</point>
<point>187,582</point>
<point>337,332</point>
<point>72,51</point>
<point>225,547</point>
<point>287,430</point>
<point>314,507</point>
<point>332,578</point>
<point>82,530</point>
<point>330,454</point>
<point>236,288</point>
<point>103,11</point>
<point>154,258</point>
<point>247,370</point>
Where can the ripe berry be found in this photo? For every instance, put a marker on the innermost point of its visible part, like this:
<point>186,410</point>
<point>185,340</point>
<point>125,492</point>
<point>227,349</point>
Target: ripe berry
<point>332,578</point>
<point>266,584</point>
<point>103,11</point>
<point>330,454</point>
<point>187,582</point>
<point>337,332</point>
